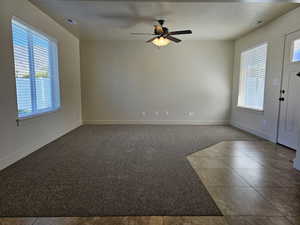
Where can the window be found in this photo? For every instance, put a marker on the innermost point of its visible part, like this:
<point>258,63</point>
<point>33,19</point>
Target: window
<point>36,71</point>
<point>296,51</point>
<point>252,78</point>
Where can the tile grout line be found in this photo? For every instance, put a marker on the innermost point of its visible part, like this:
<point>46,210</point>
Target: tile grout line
<point>269,202</point>
<point>34,221</point>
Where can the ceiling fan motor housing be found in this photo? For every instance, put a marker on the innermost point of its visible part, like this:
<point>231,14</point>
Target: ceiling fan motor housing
<point>159,29</point>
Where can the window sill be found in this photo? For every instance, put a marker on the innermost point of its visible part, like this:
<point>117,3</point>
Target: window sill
<point>37,115</point>
<point>259,111</point>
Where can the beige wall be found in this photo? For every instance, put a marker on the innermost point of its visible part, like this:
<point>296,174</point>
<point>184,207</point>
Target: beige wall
<point>122,79</point>
<point>264,123</point>
<point>16,142</point>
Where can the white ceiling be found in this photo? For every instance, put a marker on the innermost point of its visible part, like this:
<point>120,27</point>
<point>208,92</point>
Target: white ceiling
<point>115,20</point>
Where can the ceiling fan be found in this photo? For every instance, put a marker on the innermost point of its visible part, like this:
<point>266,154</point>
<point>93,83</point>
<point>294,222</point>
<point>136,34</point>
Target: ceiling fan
<point>162,34</point>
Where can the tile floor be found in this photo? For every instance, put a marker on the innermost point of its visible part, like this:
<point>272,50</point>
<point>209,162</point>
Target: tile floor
<point>253,183</point>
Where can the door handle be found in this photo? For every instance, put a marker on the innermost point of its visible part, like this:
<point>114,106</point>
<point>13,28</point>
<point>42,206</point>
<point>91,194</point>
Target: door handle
<point>298,74</point>
<point>281,99</point>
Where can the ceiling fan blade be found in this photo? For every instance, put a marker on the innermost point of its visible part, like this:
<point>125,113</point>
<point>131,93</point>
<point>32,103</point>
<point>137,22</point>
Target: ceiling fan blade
<point>142,34</point>
<point>173,39</point>
<point>180,32</point>
<point>150,40</point>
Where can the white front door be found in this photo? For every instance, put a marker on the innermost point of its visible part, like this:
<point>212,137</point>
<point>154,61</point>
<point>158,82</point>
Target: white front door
<point>288,133</point>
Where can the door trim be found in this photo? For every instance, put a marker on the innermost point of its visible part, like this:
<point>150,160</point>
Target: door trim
<point>281,83</point>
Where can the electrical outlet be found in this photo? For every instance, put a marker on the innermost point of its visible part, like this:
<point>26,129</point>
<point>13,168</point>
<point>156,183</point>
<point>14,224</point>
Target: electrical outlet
<point>156,113</point>
<point>143,113</point>
<point>191,113</point>
<point>167,113</point>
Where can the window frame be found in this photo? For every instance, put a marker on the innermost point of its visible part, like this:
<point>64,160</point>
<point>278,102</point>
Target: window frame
<point>257,110</point>
<point>55,80</point>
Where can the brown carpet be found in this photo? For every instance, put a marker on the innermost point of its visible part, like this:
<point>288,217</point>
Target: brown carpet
<point>114,171</point>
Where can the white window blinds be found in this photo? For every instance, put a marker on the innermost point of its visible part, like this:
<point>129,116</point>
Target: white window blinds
<point>36,71</point>
<point>252,78</point>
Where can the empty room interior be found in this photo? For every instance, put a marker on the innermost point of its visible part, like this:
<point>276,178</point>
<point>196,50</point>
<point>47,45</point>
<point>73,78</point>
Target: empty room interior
<point>149,112</point>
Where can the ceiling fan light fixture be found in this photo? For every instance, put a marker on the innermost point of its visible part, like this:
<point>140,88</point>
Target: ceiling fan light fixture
<point>161,41</point>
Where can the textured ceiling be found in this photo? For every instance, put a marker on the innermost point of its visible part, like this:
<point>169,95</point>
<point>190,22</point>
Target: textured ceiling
<point>115,20</point>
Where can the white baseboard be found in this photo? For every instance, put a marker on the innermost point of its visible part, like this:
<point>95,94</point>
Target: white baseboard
<point>252,131</point>
<point>155,122</point>
<point>297,159</point>
<point>13,157</point>
<point>297,164</point>
<point>17,155</point>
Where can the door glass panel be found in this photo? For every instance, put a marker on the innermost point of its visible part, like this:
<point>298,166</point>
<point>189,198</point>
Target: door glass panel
<point>296,51</point>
